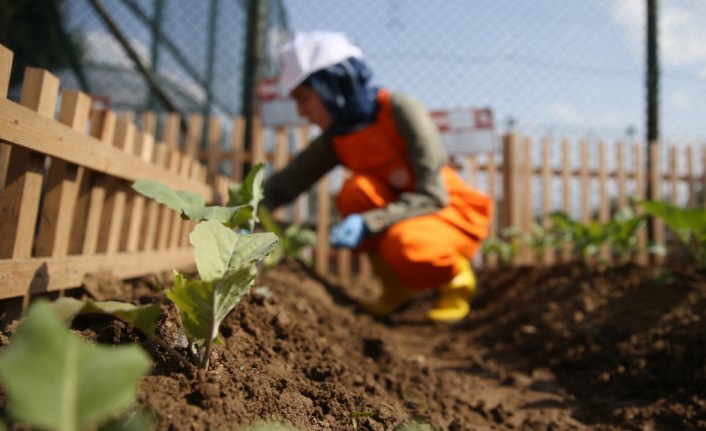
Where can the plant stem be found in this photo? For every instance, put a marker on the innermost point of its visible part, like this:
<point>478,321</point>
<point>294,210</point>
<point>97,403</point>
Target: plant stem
<point>171,350</point>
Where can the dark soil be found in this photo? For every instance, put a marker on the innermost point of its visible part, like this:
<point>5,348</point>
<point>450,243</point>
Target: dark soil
<point>562,348</point>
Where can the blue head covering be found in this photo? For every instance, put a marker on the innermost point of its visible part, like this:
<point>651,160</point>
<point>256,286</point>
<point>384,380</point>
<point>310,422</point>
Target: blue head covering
<point>347,93</point>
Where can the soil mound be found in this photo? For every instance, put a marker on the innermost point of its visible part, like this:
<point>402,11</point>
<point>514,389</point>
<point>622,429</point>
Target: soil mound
<point>562,348</point>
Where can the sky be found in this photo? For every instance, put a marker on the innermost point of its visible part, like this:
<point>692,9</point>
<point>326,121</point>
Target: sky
<point>545,66</point>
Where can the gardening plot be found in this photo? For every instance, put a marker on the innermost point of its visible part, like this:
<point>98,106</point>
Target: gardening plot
<point>564,348</point>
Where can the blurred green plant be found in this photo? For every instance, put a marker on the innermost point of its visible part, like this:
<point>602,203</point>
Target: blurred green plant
<point>687,224</point>
<point>56,381</point>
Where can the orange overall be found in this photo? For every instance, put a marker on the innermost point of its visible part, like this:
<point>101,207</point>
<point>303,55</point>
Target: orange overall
<point>422,250</point>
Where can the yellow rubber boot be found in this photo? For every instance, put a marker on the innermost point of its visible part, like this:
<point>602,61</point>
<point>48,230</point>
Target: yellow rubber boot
<point>454,299</point>
<point>394,294</point>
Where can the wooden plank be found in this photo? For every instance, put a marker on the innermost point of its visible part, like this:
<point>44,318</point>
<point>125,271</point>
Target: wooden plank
<point>148,120</point>
<point>171,130</point>
<point>323,209</point>
<point>691,190</point>
<point>113,218</point>
<point>281,156</point>
<point>194,131</point>
<point>62,185</point>
<point>548,258</point>
<point>565,191</point>
<point>215,136</point>
<point>584,183</point>
<point>528,205</point>
<point>19,200</point>
<point>673,175</point>
<point>473,170</point>
<point>258,145</point>
<point>641,257</point>
<point>343,263</point>
<point>170,219</point>
<point>237,151</point>
<point>492,192</point>
<point>565,176</point>
<point>103,129</point>
<point>621,176</point>
<point>603,199</point>
<point>33,275</point>
<point>301,204</point>
<point>281,150</point>
<point>5,71</point>
<point>175,165</point>
<point>512,187</point>
<point>23,128</point>
<point>150,229</point>
<point>145,147</point>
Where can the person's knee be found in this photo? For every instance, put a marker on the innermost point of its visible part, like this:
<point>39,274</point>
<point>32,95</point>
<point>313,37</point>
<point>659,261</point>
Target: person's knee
<point>362,193</point>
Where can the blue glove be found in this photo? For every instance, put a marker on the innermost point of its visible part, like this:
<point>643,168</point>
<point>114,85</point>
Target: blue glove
<point>348,233</point>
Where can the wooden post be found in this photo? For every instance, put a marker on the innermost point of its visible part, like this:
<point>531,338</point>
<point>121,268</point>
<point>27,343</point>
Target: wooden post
<point>639,193</point>
<point>584,181</point>
<point>213,155</point>
<point>691,200</point>
<point>19,200</point>
<point>549,257</point>
<point>114,209</point>
<point>512,186</point>
<point>5,71</point>
<point>145,148</point>
<point>323,209</point>
<point>566,190</point>
<point>62,185</point>
<point>237,150</point>
<point>492,192</point>
<point>257,151</point>
<point>673,175</point>
<point>621,176</point>
<point>603,199</point>
<point>301,204</point>
<point>102,128</point>
<point>170,219</point>
<point>194,130</point>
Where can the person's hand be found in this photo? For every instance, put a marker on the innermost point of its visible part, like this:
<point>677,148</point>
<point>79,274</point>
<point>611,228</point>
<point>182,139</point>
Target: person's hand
<point>348,233</point>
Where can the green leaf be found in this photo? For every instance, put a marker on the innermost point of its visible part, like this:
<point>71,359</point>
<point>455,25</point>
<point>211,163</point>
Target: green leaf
<point>160,192</point>
<point>143,317</point>
<point>57,381</point>
<point>218,250</point>
<point>229,216</point>
<point>204,304</point>
<point>252,190</point>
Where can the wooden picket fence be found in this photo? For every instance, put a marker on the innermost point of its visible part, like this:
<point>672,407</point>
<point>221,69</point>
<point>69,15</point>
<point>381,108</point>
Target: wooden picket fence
<point>68,209</point>
<point>66,201</point>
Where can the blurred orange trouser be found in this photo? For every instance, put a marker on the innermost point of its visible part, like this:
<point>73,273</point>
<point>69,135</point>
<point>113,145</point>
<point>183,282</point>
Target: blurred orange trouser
<point>424,251</point>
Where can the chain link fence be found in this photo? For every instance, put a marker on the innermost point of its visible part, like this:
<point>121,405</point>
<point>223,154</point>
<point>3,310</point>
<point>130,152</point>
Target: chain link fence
<point>548,67</point>
<point>552,68</point>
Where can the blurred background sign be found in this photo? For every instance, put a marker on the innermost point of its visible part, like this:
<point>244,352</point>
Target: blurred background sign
<point>466,130</point>
<point>275,109</point>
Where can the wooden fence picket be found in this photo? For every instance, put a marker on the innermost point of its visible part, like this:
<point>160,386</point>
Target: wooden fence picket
<point>22,193</point>
<point>91,204</point>
<point>62,181</point>
<point>5,70</point>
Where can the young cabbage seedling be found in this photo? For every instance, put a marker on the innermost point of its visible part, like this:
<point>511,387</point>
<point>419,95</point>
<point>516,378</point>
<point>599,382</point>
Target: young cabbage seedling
<point>688,224</point>
<point>54,380</point>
